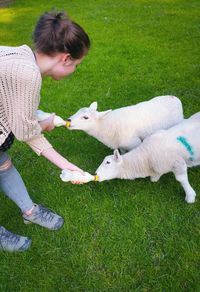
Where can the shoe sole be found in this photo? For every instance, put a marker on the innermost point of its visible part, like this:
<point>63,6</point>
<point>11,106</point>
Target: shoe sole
<point>56,227</point>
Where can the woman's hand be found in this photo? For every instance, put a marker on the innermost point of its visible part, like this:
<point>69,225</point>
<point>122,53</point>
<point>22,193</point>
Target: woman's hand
<point>48,124</point>
<point>61,162</point>
<point>75,168</point>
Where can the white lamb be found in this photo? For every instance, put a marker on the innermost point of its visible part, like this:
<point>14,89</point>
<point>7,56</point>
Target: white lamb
<point>126,127</point>
<point>171,150</point>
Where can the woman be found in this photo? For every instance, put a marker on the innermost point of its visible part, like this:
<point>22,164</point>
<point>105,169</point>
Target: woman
<point>59,46</point>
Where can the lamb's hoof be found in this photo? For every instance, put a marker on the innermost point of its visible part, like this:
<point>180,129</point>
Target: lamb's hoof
<point>190,199</point>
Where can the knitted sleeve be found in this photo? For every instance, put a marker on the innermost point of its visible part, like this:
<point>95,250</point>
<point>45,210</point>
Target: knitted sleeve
<point>39,144</point>
<point>21,100</point>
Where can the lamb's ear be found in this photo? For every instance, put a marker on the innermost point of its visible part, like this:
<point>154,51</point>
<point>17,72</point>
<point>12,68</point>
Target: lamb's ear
<point>102,114</point>
<point>93,106</point>
<point>117,155</point>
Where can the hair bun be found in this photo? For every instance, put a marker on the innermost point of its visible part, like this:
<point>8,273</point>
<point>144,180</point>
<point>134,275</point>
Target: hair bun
<point>54,32</point>
<point>58,15</point>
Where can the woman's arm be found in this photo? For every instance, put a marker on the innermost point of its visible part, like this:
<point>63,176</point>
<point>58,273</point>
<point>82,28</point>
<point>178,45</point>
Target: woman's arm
<point>53,156</point>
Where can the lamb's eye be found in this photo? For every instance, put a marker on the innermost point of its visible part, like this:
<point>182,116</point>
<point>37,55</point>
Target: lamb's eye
<point>85,118</point>
<point>107,162</point>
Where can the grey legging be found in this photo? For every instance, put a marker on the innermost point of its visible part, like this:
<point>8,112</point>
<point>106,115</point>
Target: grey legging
<point>12,184</point>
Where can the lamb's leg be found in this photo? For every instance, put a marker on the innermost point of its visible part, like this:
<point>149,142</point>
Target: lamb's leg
<point>180,172</point>
<point>133,143</point>
<point>122,151</point>
<point>155,178</point>
<point>127,147</point>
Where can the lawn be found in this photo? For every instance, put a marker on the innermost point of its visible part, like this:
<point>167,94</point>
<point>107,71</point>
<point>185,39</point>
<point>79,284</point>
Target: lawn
<point>118,235</point>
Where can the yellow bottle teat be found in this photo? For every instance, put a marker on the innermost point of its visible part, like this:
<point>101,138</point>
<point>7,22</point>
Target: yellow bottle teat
<point>67,124</point>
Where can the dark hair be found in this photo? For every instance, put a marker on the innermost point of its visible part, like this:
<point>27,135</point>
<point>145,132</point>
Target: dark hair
<point>55,32</point>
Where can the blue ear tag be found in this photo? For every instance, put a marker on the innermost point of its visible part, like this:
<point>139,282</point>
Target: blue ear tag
<point>188,147</point>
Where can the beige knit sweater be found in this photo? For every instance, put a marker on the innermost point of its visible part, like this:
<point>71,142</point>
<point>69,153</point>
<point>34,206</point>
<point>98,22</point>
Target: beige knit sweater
<point>20,83</point>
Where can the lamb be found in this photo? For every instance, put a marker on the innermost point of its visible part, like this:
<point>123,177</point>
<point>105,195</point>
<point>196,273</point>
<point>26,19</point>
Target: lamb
<point>125,128</point>
<point>171,150</point>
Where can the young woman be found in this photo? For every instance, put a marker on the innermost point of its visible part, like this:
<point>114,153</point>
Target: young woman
<point>59,46</point>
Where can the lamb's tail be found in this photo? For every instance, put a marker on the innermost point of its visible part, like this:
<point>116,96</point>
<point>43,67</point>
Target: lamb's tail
<point>195,116</point>
<point>177,108</point>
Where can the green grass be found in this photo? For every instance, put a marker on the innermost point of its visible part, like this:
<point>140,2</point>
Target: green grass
<point>118,235</point>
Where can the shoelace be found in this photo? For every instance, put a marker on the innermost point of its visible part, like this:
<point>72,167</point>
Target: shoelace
<point>9,238</point>
<point>45,214</point>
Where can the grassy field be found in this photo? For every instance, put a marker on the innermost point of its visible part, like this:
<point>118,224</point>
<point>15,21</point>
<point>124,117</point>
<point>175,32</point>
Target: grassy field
<point>118,235</point>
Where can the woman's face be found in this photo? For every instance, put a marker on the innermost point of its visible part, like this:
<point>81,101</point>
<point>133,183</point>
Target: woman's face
<point>64,67</point>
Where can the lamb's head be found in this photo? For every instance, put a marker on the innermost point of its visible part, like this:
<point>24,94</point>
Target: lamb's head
<point>86,118</point>
<point>111,166</point>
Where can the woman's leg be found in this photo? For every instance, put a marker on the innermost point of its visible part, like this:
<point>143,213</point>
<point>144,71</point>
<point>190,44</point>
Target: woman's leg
<point>12,184</point>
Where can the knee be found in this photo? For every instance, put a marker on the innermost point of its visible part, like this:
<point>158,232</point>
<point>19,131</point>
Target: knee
<point>179,167</point>
<point>5,165</point>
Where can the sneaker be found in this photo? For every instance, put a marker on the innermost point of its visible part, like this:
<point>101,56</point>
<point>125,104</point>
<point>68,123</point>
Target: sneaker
<point>13,242</point>
<point>44,217</point>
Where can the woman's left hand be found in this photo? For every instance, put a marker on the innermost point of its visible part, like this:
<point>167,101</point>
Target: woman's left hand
<point>48,124</point>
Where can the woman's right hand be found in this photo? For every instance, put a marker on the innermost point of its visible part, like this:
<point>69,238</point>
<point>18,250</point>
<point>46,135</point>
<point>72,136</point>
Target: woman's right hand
<point>57,159</point>
<point>73,167</point>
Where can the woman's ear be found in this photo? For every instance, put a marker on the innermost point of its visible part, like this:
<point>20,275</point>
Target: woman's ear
<point>66,58</point>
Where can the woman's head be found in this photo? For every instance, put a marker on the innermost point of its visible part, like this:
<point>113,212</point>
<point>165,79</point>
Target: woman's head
<point>56,33</point>
<point>60,45</point>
